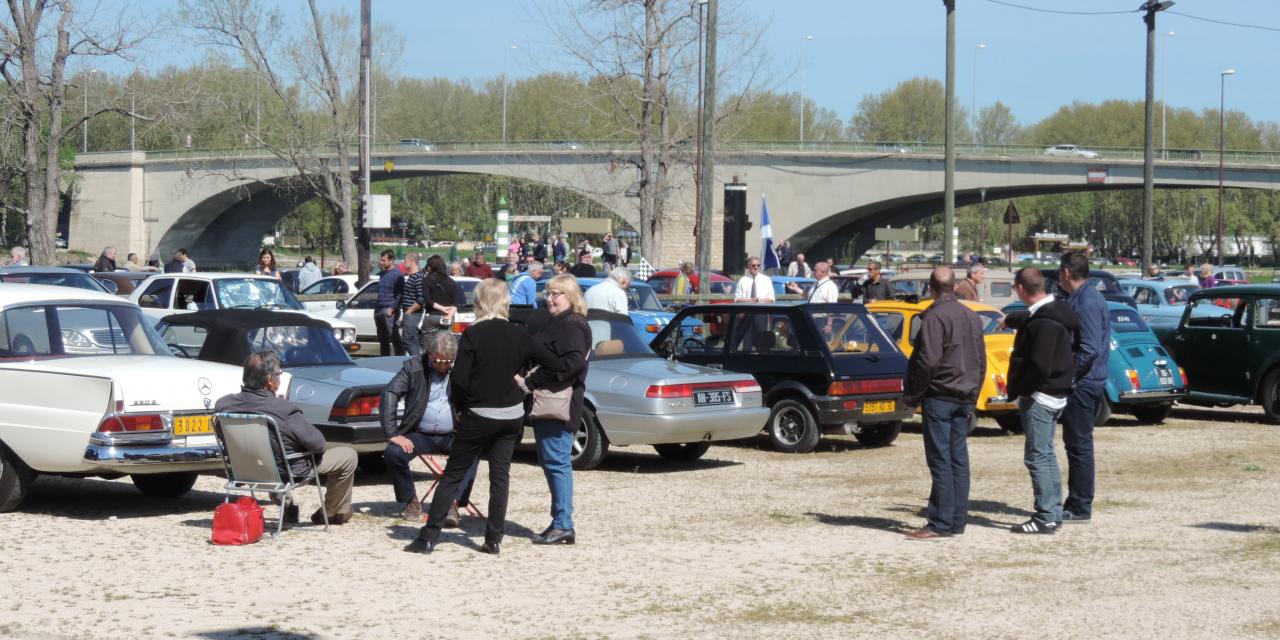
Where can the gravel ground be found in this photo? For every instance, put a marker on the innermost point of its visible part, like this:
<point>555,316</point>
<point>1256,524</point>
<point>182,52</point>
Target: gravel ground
<point>1185,543</point>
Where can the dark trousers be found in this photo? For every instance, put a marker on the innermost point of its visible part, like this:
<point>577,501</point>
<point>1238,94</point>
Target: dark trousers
<point>946,450</point>
<point>402,478</point>
<point>1077,438</point>
<point>388,333</point>
<point>409,334</point>
<point>474,435</point>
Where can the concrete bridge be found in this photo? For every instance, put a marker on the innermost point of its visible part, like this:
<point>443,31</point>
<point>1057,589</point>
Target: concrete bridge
<point>219,204</point>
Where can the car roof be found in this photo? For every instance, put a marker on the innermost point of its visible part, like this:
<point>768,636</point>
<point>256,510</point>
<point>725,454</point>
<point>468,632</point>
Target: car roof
<point>1232,290</point>
<point>214,275</point>
<point>242,319</point>
<point>1173,281</point>
<point>14,293</point>
<point>28,269</point>
<point>902,305</point>
<point>671,273</point>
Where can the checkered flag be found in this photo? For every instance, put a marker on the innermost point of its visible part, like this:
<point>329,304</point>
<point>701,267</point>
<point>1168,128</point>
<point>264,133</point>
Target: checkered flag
<point>645,270</point>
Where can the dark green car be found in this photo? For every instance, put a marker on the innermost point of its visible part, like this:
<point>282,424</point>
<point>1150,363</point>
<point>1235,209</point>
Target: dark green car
<point>1229,344</point>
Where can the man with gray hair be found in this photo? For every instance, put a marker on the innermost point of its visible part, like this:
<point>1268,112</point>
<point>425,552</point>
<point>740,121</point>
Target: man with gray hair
<point>337,466</point>
<point>524,288</point>
<point>107,261</point>
<point>17,257</point>
<point>427,423</point>
<point>967,289</point>
<point>610,294</point>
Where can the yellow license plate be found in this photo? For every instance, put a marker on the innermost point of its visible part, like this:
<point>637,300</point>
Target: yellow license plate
<point>879,406</point>
<point>192,425</point>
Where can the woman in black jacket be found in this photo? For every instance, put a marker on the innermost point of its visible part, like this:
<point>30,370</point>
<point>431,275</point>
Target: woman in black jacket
<point>564,332</point>
<point>490,409</point>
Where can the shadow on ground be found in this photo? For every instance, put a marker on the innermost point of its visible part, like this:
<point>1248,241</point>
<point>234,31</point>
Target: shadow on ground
<point>95,499</point>
<point>255,633</point>
<point>1233,527</point>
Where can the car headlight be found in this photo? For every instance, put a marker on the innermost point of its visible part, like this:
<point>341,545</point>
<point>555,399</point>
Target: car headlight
<point>345,336</point>
<point>73,338</point>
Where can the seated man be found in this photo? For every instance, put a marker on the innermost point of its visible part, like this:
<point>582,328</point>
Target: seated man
<point>337,465</point>
<point>427,426</point>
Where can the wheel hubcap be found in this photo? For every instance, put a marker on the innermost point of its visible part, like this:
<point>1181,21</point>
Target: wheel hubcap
<point>788,426</point>
<point>580,440</point>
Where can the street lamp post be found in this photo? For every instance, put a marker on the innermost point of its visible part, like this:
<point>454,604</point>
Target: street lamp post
<point>505,81</point>
<point>973,115</point>
<point>1164,103</point>
<point>697,169</point>
<point>1222,123</point>
<point>803,39</point>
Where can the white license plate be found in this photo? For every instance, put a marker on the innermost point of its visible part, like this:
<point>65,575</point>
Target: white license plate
<point>1166,377</point>
<point>702,398</point>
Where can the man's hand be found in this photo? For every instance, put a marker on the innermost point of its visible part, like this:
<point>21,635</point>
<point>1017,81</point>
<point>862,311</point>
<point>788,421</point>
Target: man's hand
<point>390,312</point>
<point>404,443</point>
<point>794,288</point>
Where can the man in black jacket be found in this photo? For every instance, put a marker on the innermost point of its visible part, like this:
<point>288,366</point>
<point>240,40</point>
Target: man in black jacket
<point>427,425</point>
<point>337,466</point>
<point>948,364</point>
<point>1040,373</point>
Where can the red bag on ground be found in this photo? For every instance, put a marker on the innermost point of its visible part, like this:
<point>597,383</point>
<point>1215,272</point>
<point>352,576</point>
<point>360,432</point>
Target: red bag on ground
<point>237,523</point>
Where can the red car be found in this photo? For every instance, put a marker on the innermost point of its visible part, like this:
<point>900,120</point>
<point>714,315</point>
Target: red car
<point>663,281</point>
<point>1128,262</point>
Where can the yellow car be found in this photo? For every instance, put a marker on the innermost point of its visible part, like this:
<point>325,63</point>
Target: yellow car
<point>898,319</point>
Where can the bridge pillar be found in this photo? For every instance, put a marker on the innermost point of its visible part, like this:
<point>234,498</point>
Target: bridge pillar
<point>109,205</point>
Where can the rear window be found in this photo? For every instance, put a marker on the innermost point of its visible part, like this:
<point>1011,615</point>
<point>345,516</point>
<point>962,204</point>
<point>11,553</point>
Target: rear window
<point>1127,321</point>
<point>299,345</point>
<point>850,332</point>
<point>73,280</point>
<point>77,330</point>
<point>991,322</point>
<point>616,338</point>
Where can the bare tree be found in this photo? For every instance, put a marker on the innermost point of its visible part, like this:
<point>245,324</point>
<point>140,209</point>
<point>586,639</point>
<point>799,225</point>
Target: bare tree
<point>304,75</point>
<point>37,42</point>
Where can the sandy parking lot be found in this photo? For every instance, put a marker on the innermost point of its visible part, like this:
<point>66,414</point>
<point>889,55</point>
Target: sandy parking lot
<point>746,543</point>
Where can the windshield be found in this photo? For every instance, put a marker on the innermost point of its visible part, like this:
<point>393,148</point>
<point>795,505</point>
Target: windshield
<point>74,280</point>
<point>612,338</point>
<point>850,332</point>
<point>299,345</point>
<point>254,293</point>
<point>1127,321</point>
<point>642,299</point>
<point>991,322</point>
<point>77,329</point>
<point>468,287</point>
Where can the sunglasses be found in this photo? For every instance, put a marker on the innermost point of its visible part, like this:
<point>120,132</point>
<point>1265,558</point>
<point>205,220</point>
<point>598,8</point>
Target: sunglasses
<point>439,361</point>
<point>551,293</point>
<point>753,266</point>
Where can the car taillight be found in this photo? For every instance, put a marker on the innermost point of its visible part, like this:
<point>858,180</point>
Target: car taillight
<point>686,390</point>
<point>1183,373</point>
<point>459,327</point>
<point>360,407</point>
<point>1133,378</point>
<point>652,328</point>
<point>131,423</point>
<point>859,387</point>
<point>746,386</point>
<point>1002,387</point>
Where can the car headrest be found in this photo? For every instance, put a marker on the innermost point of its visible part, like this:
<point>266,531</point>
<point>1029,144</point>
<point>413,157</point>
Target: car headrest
<point>609,348</point>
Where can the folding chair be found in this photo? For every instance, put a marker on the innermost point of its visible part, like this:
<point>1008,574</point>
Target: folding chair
<point>438,470</point>
<point>252,450</point>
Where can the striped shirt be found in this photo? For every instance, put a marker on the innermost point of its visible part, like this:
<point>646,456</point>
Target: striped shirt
<point>412,290</point>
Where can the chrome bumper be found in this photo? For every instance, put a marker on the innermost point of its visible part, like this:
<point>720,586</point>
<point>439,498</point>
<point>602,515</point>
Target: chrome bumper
<point>643,428</point>
<point>1144,396</point>
<point>118,457</point>
<point>998,404</point>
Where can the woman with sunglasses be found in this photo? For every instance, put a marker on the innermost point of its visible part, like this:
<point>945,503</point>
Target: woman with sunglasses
<point>562,329</point>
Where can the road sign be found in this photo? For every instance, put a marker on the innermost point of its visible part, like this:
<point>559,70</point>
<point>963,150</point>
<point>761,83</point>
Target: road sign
<point>389,165</point>
<point>906,234</point>
<point>530,218</point>
<point>1011,214</point>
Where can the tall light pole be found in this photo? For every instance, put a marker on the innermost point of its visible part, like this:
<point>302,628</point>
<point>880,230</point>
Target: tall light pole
<point>505,81</point>
<point>949,135</point>
<point>1164,102</point>
<point>1222,125</point>
<point>698,229</point>
<point>1151,8</point>
<point>84,131</point>
<point>708,125</point>
<point>803,39</point>
<point>973,115</point>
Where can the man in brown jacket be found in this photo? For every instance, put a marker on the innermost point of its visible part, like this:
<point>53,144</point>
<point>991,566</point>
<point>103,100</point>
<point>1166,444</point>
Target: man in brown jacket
<point>967,289</point>
<point>945,373</point>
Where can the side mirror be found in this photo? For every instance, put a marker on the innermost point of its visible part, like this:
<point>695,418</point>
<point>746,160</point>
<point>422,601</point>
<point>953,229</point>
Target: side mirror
<point>110,286</point>
<point>340,306</point>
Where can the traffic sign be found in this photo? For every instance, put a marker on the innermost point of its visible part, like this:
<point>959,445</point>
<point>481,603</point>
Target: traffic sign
<point>1011,214</point>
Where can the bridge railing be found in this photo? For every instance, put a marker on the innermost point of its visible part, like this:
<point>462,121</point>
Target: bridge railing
<point>382,150</point>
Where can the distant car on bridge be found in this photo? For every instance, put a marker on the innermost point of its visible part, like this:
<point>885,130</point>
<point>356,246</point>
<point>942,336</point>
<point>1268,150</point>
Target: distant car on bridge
<point>417,144</point>
<point>1070,150</point>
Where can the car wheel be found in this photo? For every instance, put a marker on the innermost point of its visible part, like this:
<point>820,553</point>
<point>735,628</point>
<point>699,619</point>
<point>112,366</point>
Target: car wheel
<point>1104,412</point>
<point>792,427</point>
<point>15,480</point>
<point>1010,422</point>
<point>372,463</point>
<point>685,452</point>
<point>165,485</point>
<point>1269,396</point>
<point>879,435</point>
<point>1152,413</point>
<point>589,445</point>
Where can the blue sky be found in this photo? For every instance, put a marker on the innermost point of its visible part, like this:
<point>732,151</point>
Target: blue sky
<point>1033,61</point>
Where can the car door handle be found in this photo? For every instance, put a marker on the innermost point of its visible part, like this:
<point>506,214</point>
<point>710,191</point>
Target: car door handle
<point>715,365</point>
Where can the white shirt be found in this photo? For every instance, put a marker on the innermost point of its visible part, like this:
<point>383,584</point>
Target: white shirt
<point>607,295</point>
<point>188,266</point>
<point>1057,404</point>
<point>825,291</point>
<point>794,270</point>
<point>764,288</point>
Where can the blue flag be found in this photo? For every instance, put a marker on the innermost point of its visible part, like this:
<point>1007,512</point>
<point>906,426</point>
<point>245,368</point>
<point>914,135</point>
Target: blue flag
<point>769,258</point>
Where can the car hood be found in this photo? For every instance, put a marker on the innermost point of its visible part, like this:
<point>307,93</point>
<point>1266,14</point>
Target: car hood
<point>343,375</point>
<point>656,369</point>
<point>154,383</point>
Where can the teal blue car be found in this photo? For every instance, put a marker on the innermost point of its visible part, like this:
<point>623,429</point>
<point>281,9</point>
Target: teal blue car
<point>1142,377</point>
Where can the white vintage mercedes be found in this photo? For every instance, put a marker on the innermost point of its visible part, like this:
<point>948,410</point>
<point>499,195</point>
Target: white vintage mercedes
<point>87,388</point>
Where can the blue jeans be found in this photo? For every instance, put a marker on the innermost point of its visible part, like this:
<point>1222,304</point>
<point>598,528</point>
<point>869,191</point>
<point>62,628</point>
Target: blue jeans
<point>946,450</point>
<point>1077,437</point>
<point>402,478</point>
<point>409,335</point>
<point>1038,422</point>
<point>555,454</point>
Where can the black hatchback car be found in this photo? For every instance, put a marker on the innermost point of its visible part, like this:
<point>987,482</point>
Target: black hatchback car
<point>824,368</point>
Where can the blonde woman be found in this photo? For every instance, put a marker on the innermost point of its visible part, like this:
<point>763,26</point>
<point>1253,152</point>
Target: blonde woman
<point>490,410</point>
<point>562,330</point>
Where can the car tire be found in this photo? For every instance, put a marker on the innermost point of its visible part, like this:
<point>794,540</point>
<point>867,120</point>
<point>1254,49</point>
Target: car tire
<point>1010,422</point>
<point>792,427</point>
<point>165,485</point>
<point>372,463</point>
<point>1104,412</point>
<point>1269,395</point>
<point>1152,413</point>
<point>879,435</point>
<point>15,480</point>
<point>685,452</point>
<point>589,444</point>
